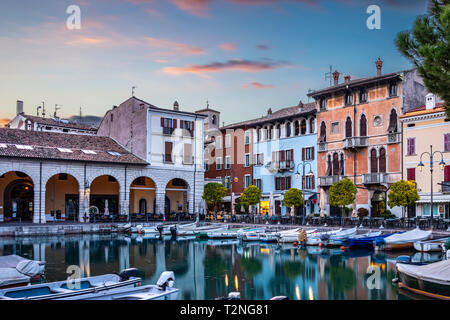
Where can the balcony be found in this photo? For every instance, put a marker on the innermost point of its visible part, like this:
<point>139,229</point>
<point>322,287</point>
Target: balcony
<point>355,142</point>
<point>285,165</point>
<point>374,178</point>
<point>329,181</point>
<point>446,186</point>
<point>393,138</point>
<point>322,147</point>
<point>168,130</point>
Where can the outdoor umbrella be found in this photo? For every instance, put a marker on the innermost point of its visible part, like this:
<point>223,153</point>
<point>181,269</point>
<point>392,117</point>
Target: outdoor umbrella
<point>271,204</point>
<point>106,208</point>
<point>232,203</point>
<point>292,211</point>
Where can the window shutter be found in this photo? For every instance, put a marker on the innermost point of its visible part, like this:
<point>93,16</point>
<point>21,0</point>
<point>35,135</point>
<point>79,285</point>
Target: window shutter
<point>313,184</point>
<point>413,145</point>
<point>273,156</point>
<point>447,174</point>
<point>283,184</point>
<point>276,186</point>
<point>292,154</point>
<point>174,121</point>
<point>303,154</point>
<point>312,153</point>
<point>261,158</point>
<point>162,122</point>
<point>447,142</point>
<point>181,124</point>
<point>303,182</point>
<point>282,156</point>
<point>193,125</point>
<point>411,174</point>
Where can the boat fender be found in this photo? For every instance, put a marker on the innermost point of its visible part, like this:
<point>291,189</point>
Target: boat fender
<point>29,268</point>
<point>166,279</point>
<point>342,248</point>
<point>126,274</point>
<point>404,259</point>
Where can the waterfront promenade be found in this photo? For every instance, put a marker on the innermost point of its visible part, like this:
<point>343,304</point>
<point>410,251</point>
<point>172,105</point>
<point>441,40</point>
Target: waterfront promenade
<point>67,228</point>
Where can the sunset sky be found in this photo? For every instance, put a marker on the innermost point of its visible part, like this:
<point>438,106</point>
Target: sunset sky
<point>244,56</point>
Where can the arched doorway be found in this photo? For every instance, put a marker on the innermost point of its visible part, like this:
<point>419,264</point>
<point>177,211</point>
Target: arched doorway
<point>18,196</point>
<point>62,197</point>
<point>105,191</point>
<point>176,200</point>
<point>142,194</point>
<point>377,203</point>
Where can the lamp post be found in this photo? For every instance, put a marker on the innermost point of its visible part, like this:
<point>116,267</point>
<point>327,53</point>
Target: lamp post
<point>297,176</point>
<point>421,166</point>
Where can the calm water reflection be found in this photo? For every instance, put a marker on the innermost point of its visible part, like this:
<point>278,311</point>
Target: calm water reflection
<point>209,269</point>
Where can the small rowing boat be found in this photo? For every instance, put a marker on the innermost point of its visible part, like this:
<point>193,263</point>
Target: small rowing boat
<point>430,245</point>
<point>18,271</point>
<point>336,240</point>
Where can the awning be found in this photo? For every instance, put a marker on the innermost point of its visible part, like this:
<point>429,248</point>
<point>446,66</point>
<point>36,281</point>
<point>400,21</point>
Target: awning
<point>228,198</point>
<point>438,198</point>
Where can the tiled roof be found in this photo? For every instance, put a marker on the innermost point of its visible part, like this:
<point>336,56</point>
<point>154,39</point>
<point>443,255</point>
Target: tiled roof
<point>423,110</point>
<point>276,115</point>
<point>53,122</point>
<point>45,146</point>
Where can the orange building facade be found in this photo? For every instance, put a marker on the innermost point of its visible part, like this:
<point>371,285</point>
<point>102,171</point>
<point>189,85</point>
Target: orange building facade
<point>359,136</point>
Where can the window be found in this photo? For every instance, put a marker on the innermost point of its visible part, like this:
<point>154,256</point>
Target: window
<point>308,182</point>
<point>288,129</point>
<point>411,174</point>
<point>348,99</point>
<point>296,128</point>
<point>382,160</point>
<point>218,142</point>
<point>312,129</point>
<point>336,168</point>
<point>363,96</point>
<point>219,163</point>
<point>335,127</point>
<point>410,146</point>
<point>363,126</point>
<point>259,159</point>
<point>277,183</point>
<point>168,152</point>
<point>303,127</point>
<point>447,142</point>
<point>247,180</point>
<point>63,177</point>
<point>247,160</point>
<point>227,141</point>
<point>247,137</point>
<point>323,132</point>
<point>323,104</point>
<point>393,127</point>
<point>270,133</point>
<point>393,90</point>
<point>308,153</point>
<point>447,175</point>
<point>373,161</point>
<point>168,125</point>
<point>289,154</point>
<point>227,162</point>
<point>213,119</point>
<point>348,128</point>
<point>258,183</point>
<point>88,152</point>
<point>188,159</point>
<point>64,150</point>
<point>114,153</point>
<point>227,182</point>
<point>282,183</point>
<point>287,183</point>
<point>206,166</point>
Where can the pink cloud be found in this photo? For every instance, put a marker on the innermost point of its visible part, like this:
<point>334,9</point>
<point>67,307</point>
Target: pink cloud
<point>194,7</point>
<point>230,65</point>
<point>173,48</point>
<point>257,85</point>
<point>229,46</point>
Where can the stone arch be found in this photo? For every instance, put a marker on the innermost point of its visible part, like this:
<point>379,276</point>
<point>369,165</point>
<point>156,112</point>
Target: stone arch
<point>393,124</point>
<point>90,177</point>
<point>363,125</point>
<point>62,196</point>
<point>177,195</point>
<point>18,196</point>
<point>142,188</point>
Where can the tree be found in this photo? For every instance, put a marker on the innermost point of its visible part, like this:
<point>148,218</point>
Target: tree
<point>251,196</point>
<point>293,197</point>
<point>213,193</point>
<point>427,47</point>
<point>342,193</point>
<point>403,193</point>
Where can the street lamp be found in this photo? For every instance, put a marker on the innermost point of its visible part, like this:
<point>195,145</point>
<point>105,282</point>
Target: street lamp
<point>421,166</point>
<point>297,176</point>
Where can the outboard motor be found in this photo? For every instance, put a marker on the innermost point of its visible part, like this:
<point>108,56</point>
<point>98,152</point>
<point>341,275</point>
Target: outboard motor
<point>126,274</point>
<point>166,279</point>
<point>173,231</point>
<point>160,229</point>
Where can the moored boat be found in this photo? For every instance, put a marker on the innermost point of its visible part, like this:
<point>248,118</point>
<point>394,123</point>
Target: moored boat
<point>431,280</point>
<point>18,271</point>
<point>365,241</point>
<point>399,241</point>
<point>430,245</point>
<point>336,240</point>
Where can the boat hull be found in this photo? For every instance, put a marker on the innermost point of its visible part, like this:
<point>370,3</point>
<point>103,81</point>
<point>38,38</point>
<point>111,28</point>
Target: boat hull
<point>424,288</point>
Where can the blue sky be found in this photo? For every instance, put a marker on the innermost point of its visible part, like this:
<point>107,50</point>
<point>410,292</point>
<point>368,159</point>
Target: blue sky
<point>244,56</point>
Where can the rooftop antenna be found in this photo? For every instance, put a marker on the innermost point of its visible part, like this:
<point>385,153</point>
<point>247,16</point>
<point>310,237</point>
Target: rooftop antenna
<point>56,110</point>
<point>329,75</point>
<point>37,110</point>
<point>132,90</point>
<point>43,109</point>
<point>81,115</point>
<point>207,104</point>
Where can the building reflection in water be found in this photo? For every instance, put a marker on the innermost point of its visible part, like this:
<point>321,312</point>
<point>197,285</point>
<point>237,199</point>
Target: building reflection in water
<point>206,269</point>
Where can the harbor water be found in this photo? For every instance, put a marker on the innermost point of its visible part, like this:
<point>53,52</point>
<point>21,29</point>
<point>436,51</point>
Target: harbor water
<point>207,269</point>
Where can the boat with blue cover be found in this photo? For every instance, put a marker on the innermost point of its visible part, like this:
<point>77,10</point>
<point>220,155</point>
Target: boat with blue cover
<point>366,241</point>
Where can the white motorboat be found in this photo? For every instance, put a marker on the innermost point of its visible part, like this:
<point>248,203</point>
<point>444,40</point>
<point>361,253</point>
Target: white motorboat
<point>338,238</point>
<point>74,289</point>
<point>285,237</point>
<point>268,237</point>
<point>403,240</point>
<point>166,229</point>
<point>314,238</point>
<point>190,231</point>
<point>430,245</point>
<point>251,234</point>
<point>18,271</point>
<point>224,234</point>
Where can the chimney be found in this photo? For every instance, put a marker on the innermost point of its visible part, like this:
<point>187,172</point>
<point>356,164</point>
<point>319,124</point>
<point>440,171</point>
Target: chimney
<point>176,106</point>
<point>269,112</point>
<point>430,101</point>
<point>347,79</point>
<point>336,77</point>
<point>379,65</point>
<point>19,107</point>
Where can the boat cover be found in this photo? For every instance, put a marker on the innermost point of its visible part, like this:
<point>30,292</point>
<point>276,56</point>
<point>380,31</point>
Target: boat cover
<point>410,236</point>
<point>438,272</point>
<point>29,268</point>
<point>10,276</point>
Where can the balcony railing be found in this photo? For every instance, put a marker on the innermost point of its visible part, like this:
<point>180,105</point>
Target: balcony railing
<point>329,180</point>
<point>393,137</point>
<point>446,186</point>
<point>355,142</point>
<point>285,165</point>
<point>322,146</point>
<point>374,178</point>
